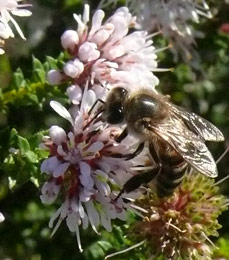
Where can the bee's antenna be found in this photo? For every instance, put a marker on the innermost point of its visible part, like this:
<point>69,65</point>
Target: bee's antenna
<point>93,118</point>
<point>104,86</point>
<point>100,110</point>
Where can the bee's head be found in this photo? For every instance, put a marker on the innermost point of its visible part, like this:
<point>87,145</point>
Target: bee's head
<point>114,106</point>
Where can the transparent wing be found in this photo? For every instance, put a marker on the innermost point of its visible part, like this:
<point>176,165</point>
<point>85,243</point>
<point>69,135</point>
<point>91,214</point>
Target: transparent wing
<point>187,144</point>
<point>198,125</point>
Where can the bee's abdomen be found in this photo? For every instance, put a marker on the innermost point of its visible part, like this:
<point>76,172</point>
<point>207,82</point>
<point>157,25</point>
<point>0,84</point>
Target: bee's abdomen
<point>171,175</point>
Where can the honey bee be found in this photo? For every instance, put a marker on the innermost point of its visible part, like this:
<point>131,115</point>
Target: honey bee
<point>176,138</point>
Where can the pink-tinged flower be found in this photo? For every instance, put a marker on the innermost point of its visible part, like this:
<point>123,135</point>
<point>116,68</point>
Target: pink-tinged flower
<point>107,53</point>
<point>173,17</point>
<point>83,171</point>
<point>7,9</point>
<point>180,226</point>
<point>224,28</point>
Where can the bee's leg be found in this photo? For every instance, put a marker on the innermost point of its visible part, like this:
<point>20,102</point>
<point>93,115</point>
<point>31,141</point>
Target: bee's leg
<point>129,156</point>
<point>154,154</point>
<point>136,181</point>
<point>99,111</point>
<point>136,152</point>
<point>122,136</point>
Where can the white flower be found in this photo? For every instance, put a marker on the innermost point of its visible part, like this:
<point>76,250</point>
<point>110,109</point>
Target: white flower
<point>82,170</point>
<point>107,53</point>
<point>7,9</point>
<point>2,218</point>
<point>173,17</point>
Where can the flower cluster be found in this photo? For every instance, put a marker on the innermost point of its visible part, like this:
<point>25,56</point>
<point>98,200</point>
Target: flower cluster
<point>174,18</point>
<point>86,166</point>
<point>7,9</point>
<point>86,170</point>
<point>180,226</point>
<point>107,53</point>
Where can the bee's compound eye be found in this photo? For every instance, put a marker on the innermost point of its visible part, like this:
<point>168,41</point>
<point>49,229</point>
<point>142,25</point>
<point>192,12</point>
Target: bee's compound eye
<point>115,115</point>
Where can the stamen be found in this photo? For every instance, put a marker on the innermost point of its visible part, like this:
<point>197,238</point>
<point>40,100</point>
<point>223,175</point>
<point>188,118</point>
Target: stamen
<point>163,70</point>
<point>125,250</point>
<point>153,35</point>
<point>164,48</point>
<point>56,227</point>
<point>171,225</point>
<point>78,238</point>
<point>222,180</point>
<point>209,240</point>
<point>139,208</point>
<point>142,168</point>
<point>223,154</point>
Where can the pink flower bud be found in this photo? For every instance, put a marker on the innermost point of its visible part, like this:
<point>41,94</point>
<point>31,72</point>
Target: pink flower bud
<point>69,39</point>
<point>75,94</point>
<point>57,134</point>
<point>88,52</point>
<point>73,68</point>
<point>54,77</point>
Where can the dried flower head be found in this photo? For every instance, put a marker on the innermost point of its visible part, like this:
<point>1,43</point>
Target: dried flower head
<point>107,52</point>
<point>7,9</point>
<point>179,226</point>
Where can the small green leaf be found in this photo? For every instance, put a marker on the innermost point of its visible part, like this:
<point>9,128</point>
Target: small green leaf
<point>33,98</point>
<point>50,64</point>
<point>105,245</point>
<point>94,252</point>
<point>37,64</point>
<point>23,145</point>
<point>41,74</point>
<point>31,156</point>
<point>18,78</point>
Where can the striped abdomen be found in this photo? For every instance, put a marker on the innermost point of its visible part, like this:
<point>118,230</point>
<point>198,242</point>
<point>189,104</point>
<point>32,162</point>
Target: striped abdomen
<point>173,168</point>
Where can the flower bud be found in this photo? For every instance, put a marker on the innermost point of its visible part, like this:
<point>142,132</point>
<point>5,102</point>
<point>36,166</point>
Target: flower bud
<point>54,77</point>
<point>73,68</point>
<point>75,94</point>
<point>69,39</point>
<point>88,52</point>
<point>57,134</point>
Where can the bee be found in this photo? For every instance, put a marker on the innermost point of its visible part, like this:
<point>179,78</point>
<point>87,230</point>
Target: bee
<point>176,138</point>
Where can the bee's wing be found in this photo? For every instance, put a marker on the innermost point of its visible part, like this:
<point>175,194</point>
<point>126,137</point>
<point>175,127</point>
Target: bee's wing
<point>197,124</point>
<point>187,144</point>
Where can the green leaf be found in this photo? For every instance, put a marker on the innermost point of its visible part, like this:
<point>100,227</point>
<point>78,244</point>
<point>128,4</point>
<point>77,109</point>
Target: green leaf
<point>33,98</point>
<point>223,248</point>
<point>31,156</point>
<point>23,145</point>
<point>41,75</point>
<point>37,65</point>
<point>95,252</point>
<point>18,78</point>
<point>50,64</point>
<point>105,245</point>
